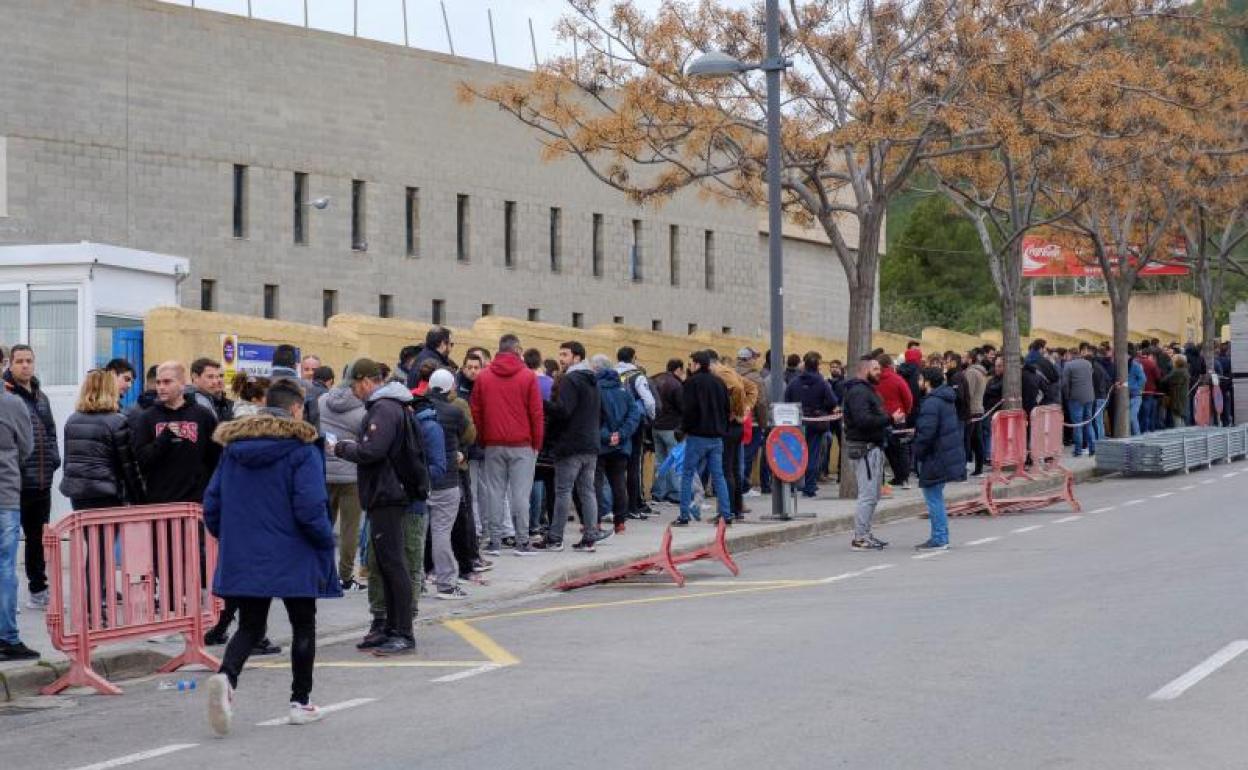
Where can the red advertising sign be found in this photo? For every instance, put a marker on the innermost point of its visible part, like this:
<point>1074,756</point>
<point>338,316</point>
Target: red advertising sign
<point>1044,259</point>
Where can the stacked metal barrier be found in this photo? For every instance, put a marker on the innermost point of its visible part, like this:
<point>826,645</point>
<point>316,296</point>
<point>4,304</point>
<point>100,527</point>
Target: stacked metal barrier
<point>1170,451</point>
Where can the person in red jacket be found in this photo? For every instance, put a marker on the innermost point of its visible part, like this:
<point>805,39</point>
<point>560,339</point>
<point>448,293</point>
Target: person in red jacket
<point>1150,414</point>
<point>894,391</point>
<point>507,410</point>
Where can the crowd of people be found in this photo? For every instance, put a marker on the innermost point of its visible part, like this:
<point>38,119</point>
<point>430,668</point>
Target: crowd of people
<point>408,481</point>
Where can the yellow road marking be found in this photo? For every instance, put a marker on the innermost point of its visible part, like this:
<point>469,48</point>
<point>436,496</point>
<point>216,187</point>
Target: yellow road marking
<point>383,664</point>
<point>483,643</point>
<point>647,600</point>
<point>712,583</point>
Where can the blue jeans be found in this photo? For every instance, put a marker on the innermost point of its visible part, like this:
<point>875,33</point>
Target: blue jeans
<point>934,496</point>
<point>985,427</point>
<point>1134,407</point>
<point>664,443</point>
<point>10,532</point>
<point>699,450</point>
<point>1098,425</point>
<point>748,453</point>
<point>1083,435</point>
<point>816,440</point>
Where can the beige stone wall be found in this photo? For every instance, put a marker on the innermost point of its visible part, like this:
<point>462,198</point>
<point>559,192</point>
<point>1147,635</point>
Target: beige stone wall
<point>1172,316</point>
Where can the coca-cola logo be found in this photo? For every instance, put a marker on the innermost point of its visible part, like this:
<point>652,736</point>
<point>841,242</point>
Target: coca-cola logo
<point>1042,251</point>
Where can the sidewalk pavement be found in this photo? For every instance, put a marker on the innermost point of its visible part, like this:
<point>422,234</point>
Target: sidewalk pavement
<point>511,578</point>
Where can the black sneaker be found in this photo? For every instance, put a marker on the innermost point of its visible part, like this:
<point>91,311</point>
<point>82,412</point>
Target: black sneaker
<point>931,546</point>
<point>637,516</point>
<point>584,546</point>
<point>217,635</point>
<point>600,535</point>
<point>681,523</point>
<point>509,542</point>
<point>266,647</point>
<point>17,651</point>
<point>866,544</point>
<point>525,550</point>
<point>375,637</point>
<point>549,545</point>
<point>452,593</point>
<point>877,541</point>
<point>482,565</point>
<point>645,508</point>
<point>395,645</point>
<point>727,520</point>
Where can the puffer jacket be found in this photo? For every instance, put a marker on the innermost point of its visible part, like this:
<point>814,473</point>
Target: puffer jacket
<point>620,414</point>
<point>268,507</point>
<point>42,463</point>
<point>99,459</point>
<point>341,414</point>
<point>938,443</point>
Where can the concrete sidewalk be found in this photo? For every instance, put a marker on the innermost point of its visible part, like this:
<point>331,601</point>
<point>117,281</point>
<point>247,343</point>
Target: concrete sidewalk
<point>511,578</point>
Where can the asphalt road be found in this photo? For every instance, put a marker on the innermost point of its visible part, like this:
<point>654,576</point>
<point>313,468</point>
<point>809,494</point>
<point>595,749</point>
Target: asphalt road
<point>1036,642</point>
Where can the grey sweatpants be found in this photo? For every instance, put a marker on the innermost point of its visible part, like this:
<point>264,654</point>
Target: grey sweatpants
<point>576,472</point>
<point>508,475</point>
<point>443,510</point>
<point>869,472</point>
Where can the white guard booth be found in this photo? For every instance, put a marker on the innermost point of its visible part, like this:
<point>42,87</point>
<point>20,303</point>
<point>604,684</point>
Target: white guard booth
<point>77,305</point>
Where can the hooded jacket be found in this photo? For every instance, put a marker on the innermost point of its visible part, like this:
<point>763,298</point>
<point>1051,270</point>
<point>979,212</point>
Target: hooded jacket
<point>433,441</point>
<point>576,414</point>
<point>815,395</point>
<point>454,426</point>
<point>99,459</point>
<point>865,419</point>
<point>938,443</point>
<point>426,354</point>
<point>909,371</point>
<point>894,392</point>
<point>1135,378</point>
<point>39,466</point>
<point>341,414</point>
<point>269,510</point>
<point>380,434</point>
<point>507,405</point>
<point>620,414</point>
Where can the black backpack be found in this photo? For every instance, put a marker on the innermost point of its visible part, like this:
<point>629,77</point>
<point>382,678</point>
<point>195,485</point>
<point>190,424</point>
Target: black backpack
<point>407,459</point>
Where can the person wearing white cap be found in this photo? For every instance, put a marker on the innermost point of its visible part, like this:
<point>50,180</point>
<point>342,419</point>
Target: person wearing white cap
<point>445,491</point>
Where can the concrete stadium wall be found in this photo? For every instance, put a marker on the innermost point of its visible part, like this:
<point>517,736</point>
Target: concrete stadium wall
<point>1174,316</point>
<point>123,120</point>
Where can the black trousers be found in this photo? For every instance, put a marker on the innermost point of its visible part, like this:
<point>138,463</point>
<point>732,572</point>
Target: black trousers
<point>385,532</point>
<point>36,511</point>
<point>613,470</point>
<point>898,456</point>
<point>973,436</point>
<point>253,620</point>
<point>732,465</point>
<point>464,534</point>
<point>635,499</point>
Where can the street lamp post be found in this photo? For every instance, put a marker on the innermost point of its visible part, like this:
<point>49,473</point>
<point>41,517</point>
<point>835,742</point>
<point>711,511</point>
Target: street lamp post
<point>716,64</point>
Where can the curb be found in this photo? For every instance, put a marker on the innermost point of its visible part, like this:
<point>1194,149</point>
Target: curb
<point>26,681</point>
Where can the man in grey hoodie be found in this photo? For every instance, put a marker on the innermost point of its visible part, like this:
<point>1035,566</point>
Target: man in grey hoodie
<point>16,444</point>
<point>1080,395</point>
<point>341,415</point>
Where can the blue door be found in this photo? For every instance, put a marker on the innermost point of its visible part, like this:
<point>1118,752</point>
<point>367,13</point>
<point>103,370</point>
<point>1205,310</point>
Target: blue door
<point>128,344</point>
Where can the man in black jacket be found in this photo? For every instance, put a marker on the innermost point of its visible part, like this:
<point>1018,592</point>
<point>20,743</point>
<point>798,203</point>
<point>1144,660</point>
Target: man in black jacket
<point>173,441</point>
<point>437,348</point>
<point>37,470</point>
<point>576,413</point>
<point>866,425</point>
<point>704,420</point>
<point>383,496</point>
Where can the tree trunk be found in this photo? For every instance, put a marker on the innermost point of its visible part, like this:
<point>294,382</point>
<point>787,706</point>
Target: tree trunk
<point>1011,336</point>
<point>1122,404</point>
<point>861,315</point>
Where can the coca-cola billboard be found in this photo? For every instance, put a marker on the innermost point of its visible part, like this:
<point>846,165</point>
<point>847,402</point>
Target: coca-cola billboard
<point>1045,259</point>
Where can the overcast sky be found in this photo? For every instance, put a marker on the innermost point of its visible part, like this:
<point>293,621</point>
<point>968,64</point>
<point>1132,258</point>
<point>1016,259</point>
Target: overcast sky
<point>383,20</point>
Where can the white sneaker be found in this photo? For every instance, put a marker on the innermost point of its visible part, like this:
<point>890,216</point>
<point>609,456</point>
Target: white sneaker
<point>220,704</point>
<point>304,715</point>
<point>38,601</point>
<point>753,493</point>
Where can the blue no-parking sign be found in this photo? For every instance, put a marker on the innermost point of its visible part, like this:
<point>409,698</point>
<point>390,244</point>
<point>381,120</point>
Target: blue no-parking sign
<point>787,453</point>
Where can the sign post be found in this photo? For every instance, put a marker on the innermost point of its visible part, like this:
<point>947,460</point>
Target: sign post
<point>787,456</point>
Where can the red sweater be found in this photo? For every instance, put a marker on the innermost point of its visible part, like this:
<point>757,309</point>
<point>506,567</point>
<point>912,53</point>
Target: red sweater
<point>507,404</point>
<point>894,392</point>
<point>1152,374</point>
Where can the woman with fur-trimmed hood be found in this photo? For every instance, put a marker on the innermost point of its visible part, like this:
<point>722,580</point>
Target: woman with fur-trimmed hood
<point>268,507</point>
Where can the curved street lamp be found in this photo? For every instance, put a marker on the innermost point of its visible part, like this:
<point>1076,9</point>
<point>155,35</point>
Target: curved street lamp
<point>716,64</point>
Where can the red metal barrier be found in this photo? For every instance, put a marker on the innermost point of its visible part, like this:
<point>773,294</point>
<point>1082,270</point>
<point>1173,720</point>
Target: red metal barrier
<point>1204,407</point>
<point>663,561</point>
<point>1046,458</point>
<point>158,588</point>
<point>1009,451</point>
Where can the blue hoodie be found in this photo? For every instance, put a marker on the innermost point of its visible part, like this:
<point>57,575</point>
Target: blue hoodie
<point>620,414</point>
<point>268,507</point>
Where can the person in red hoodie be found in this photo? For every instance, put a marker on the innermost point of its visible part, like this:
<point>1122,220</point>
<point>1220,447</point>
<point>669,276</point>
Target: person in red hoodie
<point>1150,415</point>
<point>507,410</point>
<point>894,391</point>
